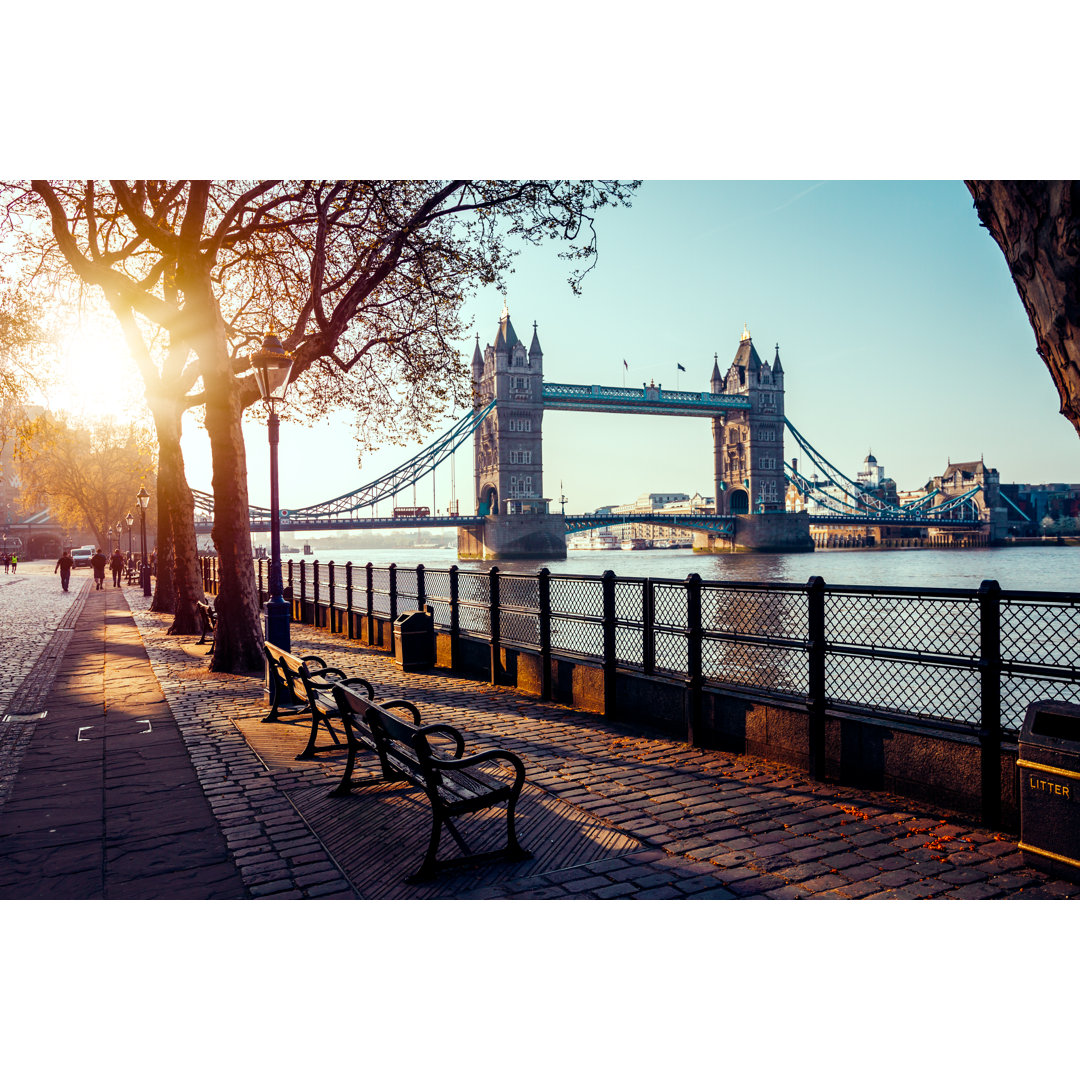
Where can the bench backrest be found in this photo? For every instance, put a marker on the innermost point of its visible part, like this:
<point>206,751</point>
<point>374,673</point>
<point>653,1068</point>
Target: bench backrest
<point>401,744</point>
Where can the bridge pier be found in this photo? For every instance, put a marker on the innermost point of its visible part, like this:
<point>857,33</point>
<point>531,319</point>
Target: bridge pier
<point>769,532</point>
<point>525,536</point>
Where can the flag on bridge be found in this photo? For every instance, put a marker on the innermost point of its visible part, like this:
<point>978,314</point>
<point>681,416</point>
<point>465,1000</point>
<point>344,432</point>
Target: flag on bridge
<point>626,365</point>
<point>680,367</point>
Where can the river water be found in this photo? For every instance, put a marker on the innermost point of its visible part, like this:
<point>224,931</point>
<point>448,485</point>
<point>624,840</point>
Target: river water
<point>1051,568</point>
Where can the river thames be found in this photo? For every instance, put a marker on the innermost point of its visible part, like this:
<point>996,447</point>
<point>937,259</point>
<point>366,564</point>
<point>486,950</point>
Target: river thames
<point>1053,568</point>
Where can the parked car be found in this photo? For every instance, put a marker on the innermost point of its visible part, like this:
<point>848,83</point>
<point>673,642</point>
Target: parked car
<point>82,555</point>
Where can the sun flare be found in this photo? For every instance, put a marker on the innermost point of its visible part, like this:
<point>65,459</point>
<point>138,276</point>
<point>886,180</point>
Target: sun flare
<point>97,378</point>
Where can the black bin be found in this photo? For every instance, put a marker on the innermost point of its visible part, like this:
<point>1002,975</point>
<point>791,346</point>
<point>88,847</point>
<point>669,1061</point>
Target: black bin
<point>414,640</point>
<point>1049,766</point>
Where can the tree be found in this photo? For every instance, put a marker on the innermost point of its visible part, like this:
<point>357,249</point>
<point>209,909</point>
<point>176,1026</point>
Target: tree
<point>20,331</point>
<point>84,475</point>
<point>364,280</point>
<point>1036,223</point>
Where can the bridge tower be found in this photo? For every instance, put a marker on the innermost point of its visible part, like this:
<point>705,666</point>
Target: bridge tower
<point>508,454</point>
<point>748,455</point>
<point>748,446</point>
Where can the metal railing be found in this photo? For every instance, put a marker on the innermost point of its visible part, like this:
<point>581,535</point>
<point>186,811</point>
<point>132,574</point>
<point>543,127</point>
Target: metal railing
<point>971,657</point>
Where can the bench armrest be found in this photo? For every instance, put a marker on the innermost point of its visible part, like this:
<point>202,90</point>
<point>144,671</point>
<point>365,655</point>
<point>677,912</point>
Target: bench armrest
<point>401,703</point>
<point>332,674</point>
<point>314,660</point>
<point>487,755</point>
<point>355,680</point>
<point>449,732</point>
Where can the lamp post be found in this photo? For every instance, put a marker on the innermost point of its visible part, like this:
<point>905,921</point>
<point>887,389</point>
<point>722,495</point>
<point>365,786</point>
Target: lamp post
<point>130,521</point>
<point>144,567</point>
<point>273,366</point>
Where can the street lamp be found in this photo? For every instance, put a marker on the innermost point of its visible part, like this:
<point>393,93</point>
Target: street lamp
<point>143,499</point>
<point>130,521</point>
<point>273,366</point>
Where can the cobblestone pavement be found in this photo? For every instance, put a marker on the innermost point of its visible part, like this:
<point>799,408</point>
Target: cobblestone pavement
<point>101,799</point>
<point>712,825</point>
<point>32,607</point>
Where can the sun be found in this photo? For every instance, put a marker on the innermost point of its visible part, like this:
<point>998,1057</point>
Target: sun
<point>96,377</point>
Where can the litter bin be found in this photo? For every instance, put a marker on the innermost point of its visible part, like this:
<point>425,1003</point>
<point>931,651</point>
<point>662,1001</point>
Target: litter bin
<point>1049,764</point>
<point>414,640</point>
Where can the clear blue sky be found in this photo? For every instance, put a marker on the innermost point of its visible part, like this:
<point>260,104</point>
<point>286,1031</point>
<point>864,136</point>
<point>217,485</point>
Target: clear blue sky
<point>899,328</point>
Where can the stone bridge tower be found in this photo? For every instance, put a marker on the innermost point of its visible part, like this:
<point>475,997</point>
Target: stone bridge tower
<point>748,446</point>
<point>508,453</point>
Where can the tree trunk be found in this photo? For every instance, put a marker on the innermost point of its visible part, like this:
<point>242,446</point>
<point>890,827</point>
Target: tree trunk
<point>180,585</point>
<point>238,642</point>
<point>164,590</point>
<point>1036,223</point>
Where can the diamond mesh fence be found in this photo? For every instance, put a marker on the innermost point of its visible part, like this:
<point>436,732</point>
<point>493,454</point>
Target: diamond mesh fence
<point>785,670</point>
<point>1041,632</point>
<point>889,684</point>
<point>437,583</point>
<point>926,624</point>
<point>755,612</point>
<point>1019,691</point>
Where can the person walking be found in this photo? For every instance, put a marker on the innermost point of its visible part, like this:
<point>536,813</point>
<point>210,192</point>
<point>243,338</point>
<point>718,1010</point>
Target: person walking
<point>116,565</point>
<point>64,565</point>
<point>14,561</point>
<point>98,561</point>
<point>7,563</point>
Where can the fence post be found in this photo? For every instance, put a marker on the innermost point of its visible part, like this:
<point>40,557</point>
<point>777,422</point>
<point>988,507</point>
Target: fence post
<point>332,622</point>
<point>694,679</point>
<point>543,578</point>
<point>370,605</point>
<point>262,598</point>
<point>455,619</point>
<point>990,701</point>
<point>648,627</point>
<point>292,595</point>
<point>348,601</point>
<point>393,601</point>
<point>815,701</point>
<point>315,593</point>
<point>607,586</point>
<point>421,591</point>
<point>493,623</point>
<point>303,589</point>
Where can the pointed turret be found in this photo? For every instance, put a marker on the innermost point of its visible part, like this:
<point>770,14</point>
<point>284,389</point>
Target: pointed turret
<point>776,368</point>
<point>535,352</point>
<point>477,358</point>
<point>746,355</point>
<point>506,338</point>
<point>716,380</point>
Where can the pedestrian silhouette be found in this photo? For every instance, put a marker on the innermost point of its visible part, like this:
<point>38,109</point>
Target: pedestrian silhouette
<point>64,565</point>
<point>116,565</point>
<point>98,561</point>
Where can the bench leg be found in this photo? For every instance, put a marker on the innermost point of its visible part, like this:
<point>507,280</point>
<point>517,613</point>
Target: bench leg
<point>514,850</point>
<point>430,863</point>
<point>311,749</point>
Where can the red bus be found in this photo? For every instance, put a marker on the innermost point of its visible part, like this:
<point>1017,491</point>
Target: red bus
<point>412,511</point>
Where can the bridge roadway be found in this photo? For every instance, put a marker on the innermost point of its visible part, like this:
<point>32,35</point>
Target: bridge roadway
<point>574,523</point>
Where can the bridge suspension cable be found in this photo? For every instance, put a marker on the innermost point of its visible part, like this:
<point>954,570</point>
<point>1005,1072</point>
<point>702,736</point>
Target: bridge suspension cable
<point>385,487</point>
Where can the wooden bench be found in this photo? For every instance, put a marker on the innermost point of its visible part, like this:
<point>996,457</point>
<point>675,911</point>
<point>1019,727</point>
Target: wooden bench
<point>302,684</point>
<point>454,784</point>
<point>208,621</point>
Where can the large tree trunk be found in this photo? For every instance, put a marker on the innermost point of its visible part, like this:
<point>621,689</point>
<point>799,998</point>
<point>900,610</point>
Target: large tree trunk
<point>238,641</point>
<point>1036,223</point>
<point>164,590</point>
<point>180,584</point>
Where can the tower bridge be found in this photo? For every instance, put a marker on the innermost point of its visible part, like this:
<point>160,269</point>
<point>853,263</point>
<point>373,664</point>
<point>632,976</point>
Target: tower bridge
<point>752,480</point>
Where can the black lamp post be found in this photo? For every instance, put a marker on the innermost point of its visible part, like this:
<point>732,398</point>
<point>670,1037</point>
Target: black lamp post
<point>273,366</point>
<point>144,567</point>
<point>130,521</point>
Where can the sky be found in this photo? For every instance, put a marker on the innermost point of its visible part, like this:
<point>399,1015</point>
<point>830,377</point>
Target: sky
<point>899,328</point>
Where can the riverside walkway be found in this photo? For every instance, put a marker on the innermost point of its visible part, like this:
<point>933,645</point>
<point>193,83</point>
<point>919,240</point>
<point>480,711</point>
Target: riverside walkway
<point>128,770</point>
